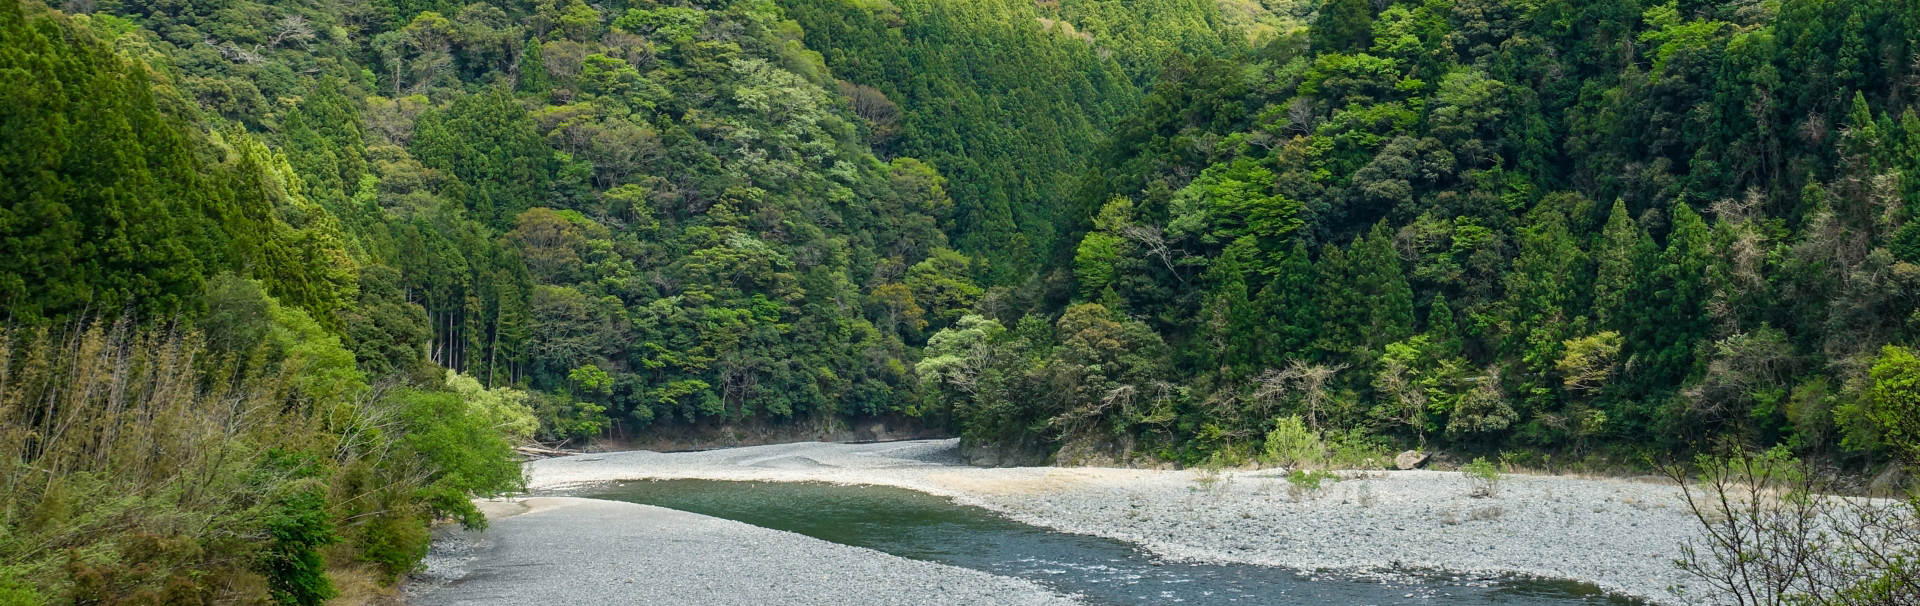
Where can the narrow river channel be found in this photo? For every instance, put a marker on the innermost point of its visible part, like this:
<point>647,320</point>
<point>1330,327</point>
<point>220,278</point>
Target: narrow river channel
<point>1102,571</point>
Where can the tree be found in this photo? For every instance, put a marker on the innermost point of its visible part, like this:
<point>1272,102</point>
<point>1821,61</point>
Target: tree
<point>1385,298</point>
<point>1541,288</point>
<point>1677,316</point>
<point>1287,304</point>
<point>1616,255</point>
<point>1342,26</point>
<point>489,143</point>
<point>940,283</point>
<point>1896,400</point>
<point>1228,320</point>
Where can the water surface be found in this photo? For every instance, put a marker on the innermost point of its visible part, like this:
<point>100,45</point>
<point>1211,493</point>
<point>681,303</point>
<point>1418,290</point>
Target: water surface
<point>1103,571</point>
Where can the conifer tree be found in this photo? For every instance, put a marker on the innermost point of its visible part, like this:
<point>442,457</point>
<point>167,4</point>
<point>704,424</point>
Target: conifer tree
<point>1339,304</point>
<point>1386,298</point>
<point>1677,314</point>
<point>1343,26</point>
<point>1287,304</point>
<point>489,142</point>
<point>1614,256</point>
<point>1228,321</point>
<point>532,72</point>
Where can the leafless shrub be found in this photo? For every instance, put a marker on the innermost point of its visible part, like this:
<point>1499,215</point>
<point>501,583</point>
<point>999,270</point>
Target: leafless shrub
<point>1773,534</point>
<point>1309,381</point>
<point>233,52</point>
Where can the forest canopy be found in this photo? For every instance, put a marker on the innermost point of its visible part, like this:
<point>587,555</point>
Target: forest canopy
<point>1160,230</point>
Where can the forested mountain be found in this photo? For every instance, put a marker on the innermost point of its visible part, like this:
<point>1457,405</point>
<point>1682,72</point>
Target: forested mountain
<point>1188,230</point>
<point>1504,225</point>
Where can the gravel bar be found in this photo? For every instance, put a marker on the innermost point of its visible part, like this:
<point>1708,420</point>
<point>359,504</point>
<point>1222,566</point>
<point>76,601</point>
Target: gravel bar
<point>1621,535</point>
<point>548,550</point>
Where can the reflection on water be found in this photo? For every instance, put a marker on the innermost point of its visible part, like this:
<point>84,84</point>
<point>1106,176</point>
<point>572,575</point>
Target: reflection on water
<point>1103,571</point>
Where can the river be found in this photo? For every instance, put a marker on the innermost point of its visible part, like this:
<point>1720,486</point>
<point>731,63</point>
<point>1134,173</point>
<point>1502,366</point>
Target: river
<point>1101,571</point>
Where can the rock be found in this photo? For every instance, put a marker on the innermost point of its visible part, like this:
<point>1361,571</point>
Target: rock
<point>1888,482</point>
<point>1410,459</point>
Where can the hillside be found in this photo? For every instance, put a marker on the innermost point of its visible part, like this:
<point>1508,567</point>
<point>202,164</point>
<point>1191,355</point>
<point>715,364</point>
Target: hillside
<point>1552,233</point>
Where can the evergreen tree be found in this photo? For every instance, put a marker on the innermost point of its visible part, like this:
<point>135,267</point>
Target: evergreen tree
<point>1341,310</point>
<point>1343,26</point>
<point>1287,303</point>
<point>1386,300</point>
<point>532,72</point>
<point>1229,322</point>
<point>1615,254</point>
<point>1540,289</point>
<point>489,142</point>
<point>1677,315</point>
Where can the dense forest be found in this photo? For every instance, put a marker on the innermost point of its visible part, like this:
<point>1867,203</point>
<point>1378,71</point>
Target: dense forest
<point>333,259</point>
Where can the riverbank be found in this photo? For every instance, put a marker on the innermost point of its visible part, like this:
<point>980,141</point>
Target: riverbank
<point>548,550</point>
<point>1620,535</point>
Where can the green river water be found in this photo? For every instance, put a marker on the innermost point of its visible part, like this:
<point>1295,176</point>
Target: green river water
<point>1102,571</point>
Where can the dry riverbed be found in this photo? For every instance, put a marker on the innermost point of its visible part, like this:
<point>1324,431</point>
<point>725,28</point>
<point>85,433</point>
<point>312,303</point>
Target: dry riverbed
<point>548,550</point>
<point>1621,535</point>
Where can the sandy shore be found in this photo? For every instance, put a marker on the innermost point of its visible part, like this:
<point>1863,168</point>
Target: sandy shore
<point>1618,534</point>
<point>549,550</point>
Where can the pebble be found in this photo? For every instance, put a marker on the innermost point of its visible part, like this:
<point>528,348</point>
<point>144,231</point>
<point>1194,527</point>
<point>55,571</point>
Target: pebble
<point>1542,526</point>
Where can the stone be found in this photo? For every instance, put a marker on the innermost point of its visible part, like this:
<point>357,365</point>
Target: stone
<point>1410,459</point>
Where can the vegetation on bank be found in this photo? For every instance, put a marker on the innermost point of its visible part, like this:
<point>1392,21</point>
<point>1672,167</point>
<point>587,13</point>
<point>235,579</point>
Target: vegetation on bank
<point>411,233</point>
<point>242,461</point>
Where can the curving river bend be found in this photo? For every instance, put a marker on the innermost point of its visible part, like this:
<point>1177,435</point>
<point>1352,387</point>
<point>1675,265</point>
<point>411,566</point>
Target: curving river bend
<point>1101,571</point>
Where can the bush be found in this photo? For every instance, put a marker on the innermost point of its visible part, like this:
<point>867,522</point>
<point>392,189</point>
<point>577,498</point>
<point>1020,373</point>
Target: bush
<point>1211,476</point>
<point>460,454</point>
<point>1485,478</point>
<point>1291,443</point>
<point>1355,449</point>
<point>299,526</point>
<point>143,465</point>
<point>1896,401</point>
<point>1303,485</point>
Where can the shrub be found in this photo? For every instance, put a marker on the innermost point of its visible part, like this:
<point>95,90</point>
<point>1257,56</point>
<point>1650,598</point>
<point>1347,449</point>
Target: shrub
<point>459,453</point>
<point>1210,476</point>
<point>1291,443</point>
<point>299,526</point>
<point>143,464</point>
<point>1355,449</point>
<point>1771,533</point>
<point>1486,513</point>
<point>1896,401</point>
<point>1484,477</point>
<point>1302,484</point>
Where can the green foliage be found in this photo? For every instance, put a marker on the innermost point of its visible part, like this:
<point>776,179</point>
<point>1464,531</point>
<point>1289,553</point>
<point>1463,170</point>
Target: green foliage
<point>299,527</point>
<point>1484,477</point>
<point>1005,104</point>
<point>489,143</point>
<point>1343,26</point>
<point>1173,224</point>
<point>1896,400</point>
<point>461,452</point>
<point>1291,443</point>
<point>1310,482</point>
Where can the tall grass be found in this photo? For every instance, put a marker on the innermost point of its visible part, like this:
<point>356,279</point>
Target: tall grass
<point>143,466</point>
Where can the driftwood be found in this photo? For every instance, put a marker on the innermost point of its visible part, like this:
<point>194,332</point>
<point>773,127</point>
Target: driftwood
<point>541,452</point>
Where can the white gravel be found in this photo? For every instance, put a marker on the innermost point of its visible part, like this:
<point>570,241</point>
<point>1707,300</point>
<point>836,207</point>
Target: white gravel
<point>547,550</point>
<point>1621,535</point>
